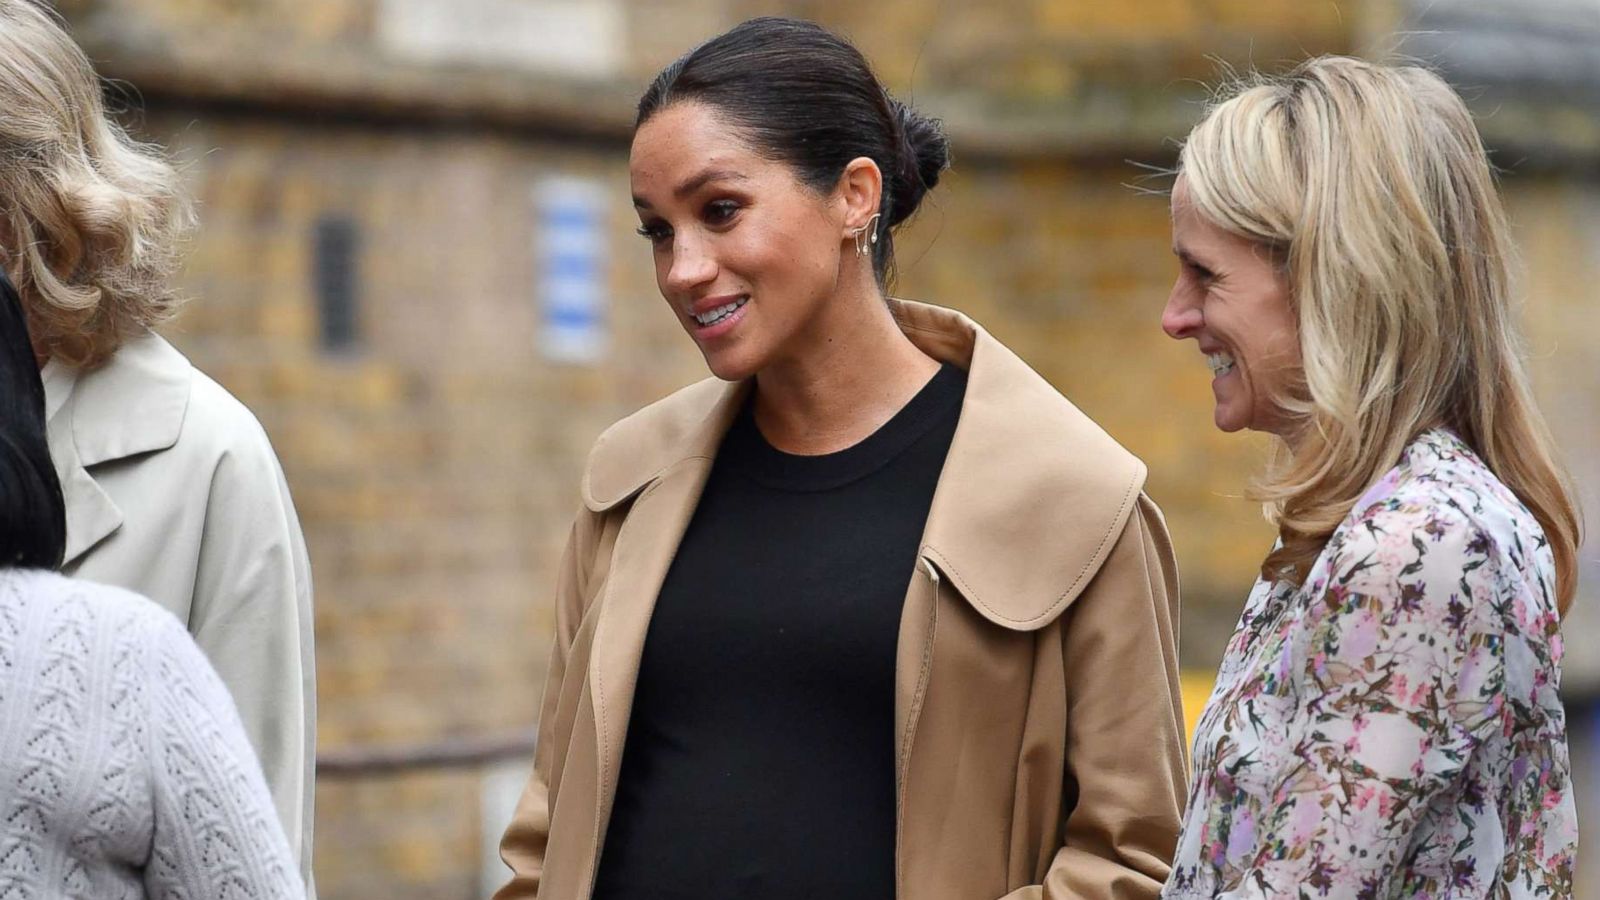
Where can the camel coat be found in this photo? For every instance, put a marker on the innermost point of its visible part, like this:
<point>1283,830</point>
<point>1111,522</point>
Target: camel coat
<point>1038,731</point>
<point>173,491</point>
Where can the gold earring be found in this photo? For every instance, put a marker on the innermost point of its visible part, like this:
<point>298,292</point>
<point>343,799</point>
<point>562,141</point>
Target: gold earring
<point>866,236</point>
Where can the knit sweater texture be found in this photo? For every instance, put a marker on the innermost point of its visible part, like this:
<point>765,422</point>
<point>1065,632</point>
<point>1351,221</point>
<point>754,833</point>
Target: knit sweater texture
<point>124,769</point>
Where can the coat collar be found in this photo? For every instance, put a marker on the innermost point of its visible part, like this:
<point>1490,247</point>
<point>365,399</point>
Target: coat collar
<point>134,403</point>
<point>1031,499</point>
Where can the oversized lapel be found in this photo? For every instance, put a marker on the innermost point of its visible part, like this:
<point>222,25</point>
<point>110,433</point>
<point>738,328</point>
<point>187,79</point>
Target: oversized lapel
<point>666,482</point>
<point>1033,493</point>
<point>1029,502</point>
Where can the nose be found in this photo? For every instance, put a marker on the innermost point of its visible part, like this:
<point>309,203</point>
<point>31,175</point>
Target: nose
<point>691,266</point>
<point>1182,317</point>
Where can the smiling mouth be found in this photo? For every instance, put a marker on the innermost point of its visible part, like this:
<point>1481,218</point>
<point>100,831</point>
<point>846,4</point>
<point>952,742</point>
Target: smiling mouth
<point>712,317</point>
<point>1220,363</point>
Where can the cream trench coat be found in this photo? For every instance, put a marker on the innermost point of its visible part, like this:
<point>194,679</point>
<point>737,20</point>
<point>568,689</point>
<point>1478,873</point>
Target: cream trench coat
<point>173,491</point>
<point>1038,730</point>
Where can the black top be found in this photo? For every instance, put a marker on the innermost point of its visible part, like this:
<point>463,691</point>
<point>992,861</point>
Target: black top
<point>760,753</point>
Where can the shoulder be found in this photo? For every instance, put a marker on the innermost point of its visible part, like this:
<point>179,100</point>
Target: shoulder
<point>218,426</point>
<point>666,420</point>
<point>92,627</point>
<point>148,397</point>
<point>223,439</point>
<point>1439,530</point>
<point>1441,493</point>
<point>639,447</point>
<point>103,605</point>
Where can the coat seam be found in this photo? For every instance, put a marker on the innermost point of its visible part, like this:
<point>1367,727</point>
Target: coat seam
<point>915,716</point>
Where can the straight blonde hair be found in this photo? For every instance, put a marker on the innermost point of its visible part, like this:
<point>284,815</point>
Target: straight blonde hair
<point>90,220</point>
<point>1371,185</point>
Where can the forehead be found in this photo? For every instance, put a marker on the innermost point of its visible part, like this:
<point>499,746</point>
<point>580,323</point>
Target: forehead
<point>1187,222</point>
<point>1180,201</point>
<point>685,138</point>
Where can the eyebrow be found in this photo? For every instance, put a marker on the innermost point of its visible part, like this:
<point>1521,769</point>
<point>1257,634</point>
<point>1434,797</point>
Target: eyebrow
<point>695,184</point>
<point>1188,257</point>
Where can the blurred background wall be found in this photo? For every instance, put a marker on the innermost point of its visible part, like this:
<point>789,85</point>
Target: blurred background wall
<point>417,266</point>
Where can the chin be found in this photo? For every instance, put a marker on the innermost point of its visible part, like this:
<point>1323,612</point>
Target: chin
<point>1229,426</point>
<point>731,366</point>
<point>1228,419</point>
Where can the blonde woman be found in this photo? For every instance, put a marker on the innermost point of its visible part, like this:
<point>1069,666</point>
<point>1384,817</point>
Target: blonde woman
<point>1386,719</point>
<point>171,488</point>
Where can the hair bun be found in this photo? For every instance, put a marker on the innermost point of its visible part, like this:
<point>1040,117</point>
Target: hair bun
<point>925,154</point>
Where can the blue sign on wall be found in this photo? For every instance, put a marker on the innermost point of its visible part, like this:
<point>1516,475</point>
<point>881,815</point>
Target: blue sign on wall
<point>571,256</point>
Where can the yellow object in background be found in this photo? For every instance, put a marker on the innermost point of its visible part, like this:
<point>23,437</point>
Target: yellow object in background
<point>1195,686</point>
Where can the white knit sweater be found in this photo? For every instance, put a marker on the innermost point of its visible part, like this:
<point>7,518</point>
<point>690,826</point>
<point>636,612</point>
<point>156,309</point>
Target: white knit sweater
<point>124,769</point>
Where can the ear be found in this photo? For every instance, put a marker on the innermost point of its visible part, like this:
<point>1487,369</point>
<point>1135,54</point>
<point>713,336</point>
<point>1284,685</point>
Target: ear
<point>861,192</point>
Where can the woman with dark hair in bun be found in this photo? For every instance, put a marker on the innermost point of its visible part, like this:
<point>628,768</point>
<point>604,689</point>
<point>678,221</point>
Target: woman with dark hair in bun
<point>873,613</point>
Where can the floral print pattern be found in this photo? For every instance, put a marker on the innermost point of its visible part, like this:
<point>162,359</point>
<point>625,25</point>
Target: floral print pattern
<point>1391,728</point>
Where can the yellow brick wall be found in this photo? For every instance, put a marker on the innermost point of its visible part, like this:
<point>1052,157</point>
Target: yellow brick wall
<point>436,468</point>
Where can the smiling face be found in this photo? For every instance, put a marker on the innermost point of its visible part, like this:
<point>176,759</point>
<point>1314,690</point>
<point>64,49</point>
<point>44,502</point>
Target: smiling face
<point>746,255</point>
<point>1234,302</point>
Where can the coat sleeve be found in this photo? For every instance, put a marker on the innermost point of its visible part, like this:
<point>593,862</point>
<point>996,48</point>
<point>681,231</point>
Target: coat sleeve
<point>523,846</point>
<point>251,614</point>
<point>1127,767</point>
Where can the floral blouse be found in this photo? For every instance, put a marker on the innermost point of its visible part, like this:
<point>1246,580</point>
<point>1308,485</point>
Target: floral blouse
<point>1392,728</point>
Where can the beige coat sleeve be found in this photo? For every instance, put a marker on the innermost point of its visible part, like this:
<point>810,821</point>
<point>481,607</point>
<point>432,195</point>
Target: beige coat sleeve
<point>252,616</point>
<point>1126,751</point>
<point>523,846</point>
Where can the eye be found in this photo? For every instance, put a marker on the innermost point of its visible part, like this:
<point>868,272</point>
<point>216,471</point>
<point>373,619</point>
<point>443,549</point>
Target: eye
<point>656,233</point>
<point>721,212</point>
<point>1200,273</point>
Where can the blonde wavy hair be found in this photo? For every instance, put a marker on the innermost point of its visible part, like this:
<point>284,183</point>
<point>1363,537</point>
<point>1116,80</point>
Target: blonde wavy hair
<point>90,220</point>
<point>1372,187</point>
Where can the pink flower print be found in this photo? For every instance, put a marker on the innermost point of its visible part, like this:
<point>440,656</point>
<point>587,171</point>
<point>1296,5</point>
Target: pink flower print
<point>1352,744</point>
<point>1218,851</point>
<point>1418,767</point>
<point>1365,796</point>
<point>1440,640</point>
<point>1419,694</point>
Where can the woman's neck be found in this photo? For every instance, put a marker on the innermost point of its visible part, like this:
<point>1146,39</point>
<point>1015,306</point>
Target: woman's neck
<point>857,372</point>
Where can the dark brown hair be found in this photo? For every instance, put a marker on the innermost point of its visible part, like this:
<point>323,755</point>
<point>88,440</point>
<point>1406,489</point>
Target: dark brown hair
<point>805,96</point>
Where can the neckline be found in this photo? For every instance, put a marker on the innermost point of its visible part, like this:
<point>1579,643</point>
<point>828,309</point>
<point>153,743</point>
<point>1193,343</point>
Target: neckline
<point>749,452</point>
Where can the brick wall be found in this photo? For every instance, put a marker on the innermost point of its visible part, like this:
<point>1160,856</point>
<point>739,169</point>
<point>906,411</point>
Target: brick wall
<point>435,463</point>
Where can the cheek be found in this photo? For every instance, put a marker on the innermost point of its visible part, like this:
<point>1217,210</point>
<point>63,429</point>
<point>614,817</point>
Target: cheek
<point>782,258</point>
